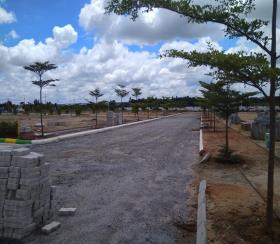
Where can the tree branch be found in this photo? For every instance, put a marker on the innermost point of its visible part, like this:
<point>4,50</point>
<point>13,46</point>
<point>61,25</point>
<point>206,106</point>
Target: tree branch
<point>230,26</point>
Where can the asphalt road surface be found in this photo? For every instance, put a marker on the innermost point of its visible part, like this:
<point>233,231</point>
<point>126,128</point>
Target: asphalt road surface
<point>129,185</point>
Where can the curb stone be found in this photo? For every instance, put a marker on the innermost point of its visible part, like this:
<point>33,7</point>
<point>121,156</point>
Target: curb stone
<point>201,233</point>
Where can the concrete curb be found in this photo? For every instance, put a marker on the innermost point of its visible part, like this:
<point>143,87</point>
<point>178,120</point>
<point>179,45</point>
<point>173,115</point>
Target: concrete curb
<point>201,147</point>
<point>95,131</point>
<point>201,222</point>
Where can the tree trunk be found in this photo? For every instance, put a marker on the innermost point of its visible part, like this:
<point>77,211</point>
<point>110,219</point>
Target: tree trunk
<point>270,172</point>
<point>211,119</point>
<point>122,109</point>
<point>41,113</point>
<point>214,121</point>
<point>227,144</point>
<point>96,113</point>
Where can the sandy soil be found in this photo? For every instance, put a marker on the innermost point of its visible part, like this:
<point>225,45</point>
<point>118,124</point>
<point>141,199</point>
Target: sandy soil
<point>235,210</point>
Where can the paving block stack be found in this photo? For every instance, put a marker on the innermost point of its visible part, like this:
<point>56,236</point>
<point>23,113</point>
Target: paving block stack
<point>26,196</point>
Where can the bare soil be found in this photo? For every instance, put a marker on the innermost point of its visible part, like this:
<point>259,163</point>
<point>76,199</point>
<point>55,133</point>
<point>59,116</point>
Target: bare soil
<point>67,122</point>
<point>235,210</point>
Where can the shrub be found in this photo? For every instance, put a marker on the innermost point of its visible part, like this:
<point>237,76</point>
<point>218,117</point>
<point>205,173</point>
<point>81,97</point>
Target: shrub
<point>9,129</point>
<point>78,110</point>
<point>227,157</point>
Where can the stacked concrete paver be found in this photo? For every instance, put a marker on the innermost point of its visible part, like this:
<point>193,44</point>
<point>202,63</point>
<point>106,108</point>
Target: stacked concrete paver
<point>26,196</point>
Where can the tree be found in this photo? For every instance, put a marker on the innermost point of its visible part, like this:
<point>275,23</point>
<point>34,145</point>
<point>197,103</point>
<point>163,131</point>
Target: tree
<point>40,69</point>
<point>223,100</point>
<point>121,92</point>
<point>136,93</point>
<point>233,14</point>
<point>96,93</point>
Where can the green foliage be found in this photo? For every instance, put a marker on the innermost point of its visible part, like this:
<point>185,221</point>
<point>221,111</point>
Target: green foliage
<point>136,92</point>
<point>96,93</point>
<point>135,108</point>
<point>121,91</point>
<point>39,68</point>
<point>230,13</point>
<point>8,129</point>
<point>227,156</point>
<point>78,110</point>
<point>253,69</point>
<point>221,98</point>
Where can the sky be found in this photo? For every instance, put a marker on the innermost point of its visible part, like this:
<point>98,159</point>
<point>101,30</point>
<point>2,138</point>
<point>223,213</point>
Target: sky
<point>96,50</point>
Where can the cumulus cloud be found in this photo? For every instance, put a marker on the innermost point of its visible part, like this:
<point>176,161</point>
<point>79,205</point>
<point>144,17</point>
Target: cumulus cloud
<point>6,17</point>
<point>13,34</point>
<point>104,65</point>
<point>149,28</point>
<point>13,77</point>
<point>63,36</point>
<point>109,61</point>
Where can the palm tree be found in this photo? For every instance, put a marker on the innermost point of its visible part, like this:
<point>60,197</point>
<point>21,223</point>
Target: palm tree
<point>136,93</point>
<point>39,68</point>
<point>121,92</point>
<point>96,93</point>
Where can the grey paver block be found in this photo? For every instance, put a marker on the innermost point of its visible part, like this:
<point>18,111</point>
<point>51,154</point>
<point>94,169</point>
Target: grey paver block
<point>51,227</point>
<point>67,211</point>
<point>20,151</point>
<point>23,194</point>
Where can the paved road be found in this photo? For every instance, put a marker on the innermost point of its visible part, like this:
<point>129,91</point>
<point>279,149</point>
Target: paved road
<point>129,184</point>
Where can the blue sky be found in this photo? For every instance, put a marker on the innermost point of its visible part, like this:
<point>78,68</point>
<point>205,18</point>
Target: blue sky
<point>36,19</point>
<point>96,50</point>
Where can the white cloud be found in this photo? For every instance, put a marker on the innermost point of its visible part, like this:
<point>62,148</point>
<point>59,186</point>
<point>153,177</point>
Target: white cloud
<point>104,65</point>
<point>13,34</point>
<point>202,45</point>
<point>6,17</point>
<point>110,62</point>
<point>149,28</point>
<point>63,36</point>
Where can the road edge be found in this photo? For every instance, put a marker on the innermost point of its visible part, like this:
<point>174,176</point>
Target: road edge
<point>95,131</point>
<point>201,221</point>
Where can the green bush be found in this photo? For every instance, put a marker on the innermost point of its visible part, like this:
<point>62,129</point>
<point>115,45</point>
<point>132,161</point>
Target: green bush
<point>78,110</point>
<point>8,129</point>
<point>227,157</point>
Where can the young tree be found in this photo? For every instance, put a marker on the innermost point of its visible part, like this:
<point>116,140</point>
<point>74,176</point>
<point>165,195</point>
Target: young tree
<point>121,92</point>
<point>40,69</point>
<point>136,93</point>
<point>223,100</point>
<point>96,93</point>
<point>233,14</point>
